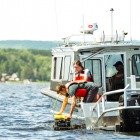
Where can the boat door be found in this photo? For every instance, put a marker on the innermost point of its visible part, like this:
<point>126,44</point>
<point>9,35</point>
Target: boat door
<point>114,74</point>
<point>101,66</point>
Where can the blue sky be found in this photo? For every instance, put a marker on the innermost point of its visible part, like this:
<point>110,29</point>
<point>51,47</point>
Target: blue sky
<point>53,19</point>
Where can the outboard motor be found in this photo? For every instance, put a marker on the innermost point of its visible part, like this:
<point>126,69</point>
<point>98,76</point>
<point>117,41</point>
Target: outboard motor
<point>130,118</point>
<point>132,100</point>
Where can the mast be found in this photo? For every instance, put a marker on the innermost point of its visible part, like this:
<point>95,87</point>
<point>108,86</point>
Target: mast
<point>130,22</point>
<point>111,10</point>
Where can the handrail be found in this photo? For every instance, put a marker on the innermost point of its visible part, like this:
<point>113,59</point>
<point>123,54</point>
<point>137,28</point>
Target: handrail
<point>115,109</point>
<point>111,92</point>
<point>102,99</point>
<point>99,109</point>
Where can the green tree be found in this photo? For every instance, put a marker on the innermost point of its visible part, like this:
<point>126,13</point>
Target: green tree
<point>28,64</point>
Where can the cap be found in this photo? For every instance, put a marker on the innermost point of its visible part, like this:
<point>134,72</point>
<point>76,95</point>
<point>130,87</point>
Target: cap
<point>118,63</point>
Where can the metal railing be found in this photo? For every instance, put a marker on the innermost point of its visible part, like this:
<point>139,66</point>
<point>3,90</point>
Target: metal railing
<point>129,89</point>
<point>102,101</point>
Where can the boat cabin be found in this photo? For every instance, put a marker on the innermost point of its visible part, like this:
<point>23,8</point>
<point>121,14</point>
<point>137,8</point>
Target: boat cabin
<point>99,58</point>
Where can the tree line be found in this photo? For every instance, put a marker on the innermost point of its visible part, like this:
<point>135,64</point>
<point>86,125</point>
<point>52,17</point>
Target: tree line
<point>34,65</point>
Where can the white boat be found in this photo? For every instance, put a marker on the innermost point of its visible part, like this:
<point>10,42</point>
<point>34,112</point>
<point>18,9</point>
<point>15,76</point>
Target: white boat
<point>119,114</point>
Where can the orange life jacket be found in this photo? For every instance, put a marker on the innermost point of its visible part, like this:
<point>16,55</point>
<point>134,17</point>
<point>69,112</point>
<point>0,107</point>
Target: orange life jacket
<point>81,77</point>
<point>82,92</point>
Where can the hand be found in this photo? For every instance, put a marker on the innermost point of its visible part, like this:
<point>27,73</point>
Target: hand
<point>69,116</point>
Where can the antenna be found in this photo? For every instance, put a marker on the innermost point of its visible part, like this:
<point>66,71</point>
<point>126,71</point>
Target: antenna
<point>57,31</point>
<point>83,28</point>
<point>130,22</point>
<point>83,21</point>
<point>111,10</point>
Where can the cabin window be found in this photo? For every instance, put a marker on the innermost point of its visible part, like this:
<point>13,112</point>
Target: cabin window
<point>110,60</point>
<point>67,62</point>
<point>111,70</point>
<point>58,61</point>
<point>94,65</point>
<point>114,74</point>
<point>136,64</point>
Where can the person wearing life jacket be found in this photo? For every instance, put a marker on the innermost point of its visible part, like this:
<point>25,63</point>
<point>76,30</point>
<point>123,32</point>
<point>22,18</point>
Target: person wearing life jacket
<point>81,80</point>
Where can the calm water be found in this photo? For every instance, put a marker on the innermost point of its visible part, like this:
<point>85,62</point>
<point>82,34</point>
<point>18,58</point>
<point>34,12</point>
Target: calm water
<point>25,115</point>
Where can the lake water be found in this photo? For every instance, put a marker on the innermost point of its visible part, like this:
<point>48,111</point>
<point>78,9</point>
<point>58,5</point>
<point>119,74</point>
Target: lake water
<point>25,114</point>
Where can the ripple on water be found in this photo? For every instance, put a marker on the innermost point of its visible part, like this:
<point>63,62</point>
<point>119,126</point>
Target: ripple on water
<point>26,114</point>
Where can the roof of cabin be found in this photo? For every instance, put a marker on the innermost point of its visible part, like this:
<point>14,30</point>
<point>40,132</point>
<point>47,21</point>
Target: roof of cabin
<point>97,46</point>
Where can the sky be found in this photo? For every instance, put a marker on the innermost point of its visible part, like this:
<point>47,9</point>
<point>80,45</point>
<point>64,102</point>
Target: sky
<point>54,19</point>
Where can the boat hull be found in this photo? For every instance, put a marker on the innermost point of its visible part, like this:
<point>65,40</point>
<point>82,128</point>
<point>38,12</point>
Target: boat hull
<point>130,120</point>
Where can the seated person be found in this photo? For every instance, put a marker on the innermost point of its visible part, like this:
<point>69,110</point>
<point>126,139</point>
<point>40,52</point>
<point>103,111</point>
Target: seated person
<point>117,80</point>
<point>80,81</point>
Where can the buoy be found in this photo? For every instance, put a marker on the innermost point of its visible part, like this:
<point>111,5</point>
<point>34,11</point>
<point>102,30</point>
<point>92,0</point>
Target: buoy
<point>60,117</point>
<point>61,122</point>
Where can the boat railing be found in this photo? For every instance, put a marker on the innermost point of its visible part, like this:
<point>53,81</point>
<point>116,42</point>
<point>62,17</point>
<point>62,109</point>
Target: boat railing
<point>102,106</point>
<point>101,110</point>
<point>84,39</point>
